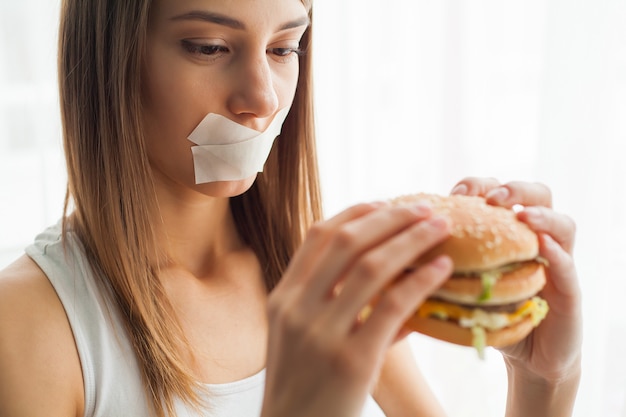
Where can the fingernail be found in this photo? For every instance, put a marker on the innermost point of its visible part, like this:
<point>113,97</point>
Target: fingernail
<point>442,262</point>
<point>378,204</point>
<point>422,209</point>
<point>459,189</point>
<point>531,215</point>
<point>548,242</point>
<point>532,212</point>
<point>498,194</point>
<point>438,222</point>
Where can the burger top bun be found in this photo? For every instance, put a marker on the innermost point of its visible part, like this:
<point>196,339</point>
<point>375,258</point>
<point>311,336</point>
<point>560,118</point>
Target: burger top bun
<point>482,236</point>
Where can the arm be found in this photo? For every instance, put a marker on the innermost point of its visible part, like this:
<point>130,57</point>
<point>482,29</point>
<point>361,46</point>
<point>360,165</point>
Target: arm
<point>40,370</point>
<point>401,390</point>
<point>533,395</point>
<point>543,369</point>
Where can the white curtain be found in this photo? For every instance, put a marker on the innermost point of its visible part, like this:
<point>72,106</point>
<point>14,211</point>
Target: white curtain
<point>32,176</point>
<point>413,95</point>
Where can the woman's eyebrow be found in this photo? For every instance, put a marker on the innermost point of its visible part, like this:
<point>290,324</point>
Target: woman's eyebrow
<point>210,17</point>
<point>223,20</point>
<point>303,21</point>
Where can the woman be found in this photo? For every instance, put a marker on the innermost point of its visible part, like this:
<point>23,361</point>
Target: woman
<point>151,296</point>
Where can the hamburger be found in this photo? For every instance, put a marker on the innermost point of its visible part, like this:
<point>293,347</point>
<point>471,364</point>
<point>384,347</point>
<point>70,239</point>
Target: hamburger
<point>491,298</point>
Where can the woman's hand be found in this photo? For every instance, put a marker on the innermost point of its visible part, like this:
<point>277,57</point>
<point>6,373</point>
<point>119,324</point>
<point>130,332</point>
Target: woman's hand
<point>322,359</point>
<point>550,356</point>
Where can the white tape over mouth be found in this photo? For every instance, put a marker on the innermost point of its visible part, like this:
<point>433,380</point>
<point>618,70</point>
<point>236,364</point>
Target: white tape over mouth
<point>228,151</point>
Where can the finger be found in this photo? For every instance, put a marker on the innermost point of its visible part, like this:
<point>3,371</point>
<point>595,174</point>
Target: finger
<point>354,212</point>
<point>562,272</point>
<point>401,300</point>
<point>318,236</point>
<point>523,193</point>
<point>351,239</point>
<point>475,186</point>
<point>543,220</point>
<point>378,267</point>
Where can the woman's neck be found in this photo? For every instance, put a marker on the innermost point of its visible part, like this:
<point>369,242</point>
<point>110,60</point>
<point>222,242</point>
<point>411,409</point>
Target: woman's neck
<point>197,230</point>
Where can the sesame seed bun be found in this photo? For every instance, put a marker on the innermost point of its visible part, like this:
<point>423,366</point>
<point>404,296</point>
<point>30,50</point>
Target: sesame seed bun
<point>483,236</point>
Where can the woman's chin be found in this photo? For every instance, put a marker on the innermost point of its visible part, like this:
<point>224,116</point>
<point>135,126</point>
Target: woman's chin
<point>227,188</point>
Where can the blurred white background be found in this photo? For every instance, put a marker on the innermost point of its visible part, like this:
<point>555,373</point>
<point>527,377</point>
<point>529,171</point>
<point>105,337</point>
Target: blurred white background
<point>413,95</point>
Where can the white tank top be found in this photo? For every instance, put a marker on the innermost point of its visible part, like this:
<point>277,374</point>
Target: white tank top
<point>113,384</point>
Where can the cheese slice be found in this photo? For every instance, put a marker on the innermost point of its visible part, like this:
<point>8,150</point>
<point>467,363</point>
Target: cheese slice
<point>535,307</point>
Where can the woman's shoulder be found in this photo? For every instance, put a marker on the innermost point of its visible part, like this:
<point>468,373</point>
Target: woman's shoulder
<point>41,368</point>
<point>25,292</point>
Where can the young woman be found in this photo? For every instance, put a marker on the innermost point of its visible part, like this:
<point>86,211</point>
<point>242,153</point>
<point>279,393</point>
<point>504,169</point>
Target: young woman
<point>181,282</point>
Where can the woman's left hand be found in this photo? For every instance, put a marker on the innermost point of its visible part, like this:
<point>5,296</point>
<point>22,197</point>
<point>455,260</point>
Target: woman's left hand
<point>552,351</point>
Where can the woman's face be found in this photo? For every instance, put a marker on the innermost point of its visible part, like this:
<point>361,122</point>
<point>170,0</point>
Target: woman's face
<point>236,58</point>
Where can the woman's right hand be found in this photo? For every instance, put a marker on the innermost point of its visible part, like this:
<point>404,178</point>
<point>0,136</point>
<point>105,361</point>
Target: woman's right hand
<point>321,359</point>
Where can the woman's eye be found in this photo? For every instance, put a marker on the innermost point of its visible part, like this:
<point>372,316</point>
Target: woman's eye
<point>204,49</point>
<point>284,52</point>
<point>285,55</point>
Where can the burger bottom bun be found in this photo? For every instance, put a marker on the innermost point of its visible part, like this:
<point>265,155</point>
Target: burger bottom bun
<point>451,332</point>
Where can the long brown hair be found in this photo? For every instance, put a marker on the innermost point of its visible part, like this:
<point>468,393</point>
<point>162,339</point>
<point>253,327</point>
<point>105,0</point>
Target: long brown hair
<point>111,201</point>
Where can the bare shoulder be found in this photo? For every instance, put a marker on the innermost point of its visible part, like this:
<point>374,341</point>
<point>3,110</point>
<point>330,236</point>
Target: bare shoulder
<point>41,373</point>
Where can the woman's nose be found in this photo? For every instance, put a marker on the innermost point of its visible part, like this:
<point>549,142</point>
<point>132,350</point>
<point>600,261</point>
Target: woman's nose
<point>254,90</point>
